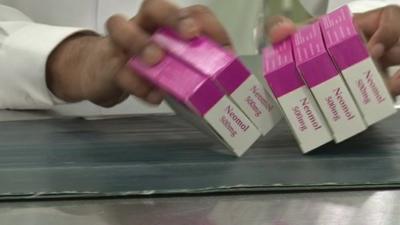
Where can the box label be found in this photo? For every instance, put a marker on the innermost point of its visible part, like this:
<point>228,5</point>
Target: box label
<point>232,125</point>
<point>369,90</point>
<point>339,108</point>
<point>305,119</point>
<point>257,104</point>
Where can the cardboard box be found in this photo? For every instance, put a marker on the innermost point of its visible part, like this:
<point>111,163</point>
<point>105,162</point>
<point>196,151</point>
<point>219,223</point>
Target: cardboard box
<point>294,97</point>
<point>226,70</point>
<point>197,97</point>
<point>326,83</point>
<point>349,52</point>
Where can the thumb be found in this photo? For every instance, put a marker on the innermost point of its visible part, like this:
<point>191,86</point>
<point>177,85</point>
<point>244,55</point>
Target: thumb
<point>278,28</point>
<point>388,33</point>
<point>394,84</point>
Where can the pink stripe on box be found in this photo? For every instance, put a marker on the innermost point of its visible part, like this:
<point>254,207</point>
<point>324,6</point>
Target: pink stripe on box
<point>280,69</point>
<point>232,76</point>
<point>205,97</point>
<point>312,58</point>
<point>205,56</point>
<point>342,39</point>
<point>180,81</point>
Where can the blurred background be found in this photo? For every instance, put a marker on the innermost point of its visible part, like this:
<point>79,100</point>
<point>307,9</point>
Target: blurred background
<point>244,20</point>
<point>290,8</point>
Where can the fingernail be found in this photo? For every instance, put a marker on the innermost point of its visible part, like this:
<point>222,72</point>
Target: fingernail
<point>276,21</point>
<point>377,51</point>
<point>152,54</point>
<point>394,86</point>
<point>275,26</point>
<point>188,28</point>
<point>155,97</point>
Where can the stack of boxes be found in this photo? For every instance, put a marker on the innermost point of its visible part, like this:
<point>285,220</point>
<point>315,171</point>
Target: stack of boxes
<point>326,83</point>
<point>333,61</point>
<point>294,97</point>
<point>348,51</point>
<point>322,77</point>
<point>228,73</point>
<point>209,86</point>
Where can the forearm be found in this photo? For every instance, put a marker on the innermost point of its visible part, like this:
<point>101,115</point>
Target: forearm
<point>25,48</point>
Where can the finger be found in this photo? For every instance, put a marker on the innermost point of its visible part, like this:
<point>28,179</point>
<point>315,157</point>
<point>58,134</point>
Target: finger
<point>160,13</point>
<point>394,84</point>
<point>391,57</point>
<point>156,96</point>
<point>112,101</point>
<point>131,38</point>
<point>368,22</point>
<point>133,84</point>
<point>207,23</point>
<point>112,98</point>
<point>278,28</point>
<point>388,32</point>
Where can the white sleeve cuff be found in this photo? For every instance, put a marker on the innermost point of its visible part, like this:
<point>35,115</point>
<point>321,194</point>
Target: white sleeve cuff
<point>23,57</point>
<point>361,6</point>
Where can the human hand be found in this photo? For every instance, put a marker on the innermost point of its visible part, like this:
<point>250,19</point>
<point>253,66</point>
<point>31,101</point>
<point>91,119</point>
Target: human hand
<point>382,31</point>
<point>94,68</point>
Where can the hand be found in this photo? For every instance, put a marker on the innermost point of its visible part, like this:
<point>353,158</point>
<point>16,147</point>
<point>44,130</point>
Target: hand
<point>278,28</point>
<point>381,28</point>
<point>90,67</point>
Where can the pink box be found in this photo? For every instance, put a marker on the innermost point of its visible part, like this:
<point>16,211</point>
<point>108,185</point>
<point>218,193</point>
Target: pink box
<point>294,97</point>
<point>224,68</point>
<point>348,50</point>
<point>326,83</point>
<point>203,99</point>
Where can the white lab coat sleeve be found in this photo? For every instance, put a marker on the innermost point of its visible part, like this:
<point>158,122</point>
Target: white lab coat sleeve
<point>360,6</point>
<point>320,7</point>
<point>24,49</point>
